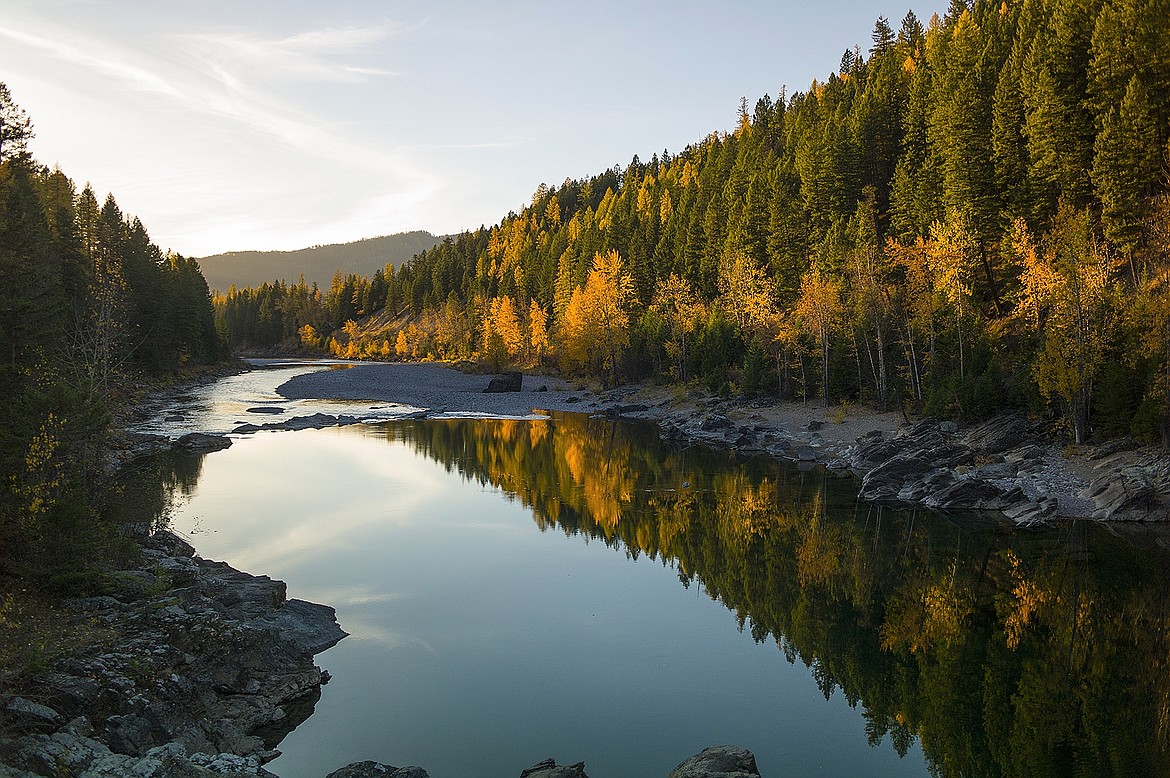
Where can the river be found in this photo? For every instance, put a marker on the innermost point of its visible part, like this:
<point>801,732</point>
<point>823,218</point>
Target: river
<point>570,587</point>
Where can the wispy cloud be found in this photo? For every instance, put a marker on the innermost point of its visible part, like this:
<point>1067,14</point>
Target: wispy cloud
<point>135,76</point>
<point>197,99</point>
<point>308,55</point>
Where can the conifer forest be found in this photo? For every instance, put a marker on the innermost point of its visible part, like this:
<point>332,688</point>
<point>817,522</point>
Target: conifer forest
<point>968,214</point>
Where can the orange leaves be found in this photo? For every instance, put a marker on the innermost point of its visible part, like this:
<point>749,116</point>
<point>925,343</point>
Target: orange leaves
<point>1066,295</point>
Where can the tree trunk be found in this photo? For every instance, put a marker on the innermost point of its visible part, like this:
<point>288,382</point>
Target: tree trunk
<point>992,284</point>
<point>803,378</point>
<point>825,367</point>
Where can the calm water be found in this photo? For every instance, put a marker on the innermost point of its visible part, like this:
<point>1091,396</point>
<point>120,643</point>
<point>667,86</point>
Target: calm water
<point>570,588</point>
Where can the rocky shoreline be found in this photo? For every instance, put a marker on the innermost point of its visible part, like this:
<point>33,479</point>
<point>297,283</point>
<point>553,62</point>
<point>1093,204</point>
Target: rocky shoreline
<point>196,669</point>
<point>1010,464</point>
<point>200,669</point>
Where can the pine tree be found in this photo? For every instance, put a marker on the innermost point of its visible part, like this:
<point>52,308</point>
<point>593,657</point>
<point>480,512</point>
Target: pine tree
<point>15,130</point>
<point>1127,167</point>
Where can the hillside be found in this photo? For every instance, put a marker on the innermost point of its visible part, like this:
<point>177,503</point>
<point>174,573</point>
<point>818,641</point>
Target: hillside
<point>971,218</point>
<point>317,263</point>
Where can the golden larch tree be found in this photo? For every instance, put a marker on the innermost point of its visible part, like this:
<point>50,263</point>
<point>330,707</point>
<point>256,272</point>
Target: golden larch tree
<point>595,328</point>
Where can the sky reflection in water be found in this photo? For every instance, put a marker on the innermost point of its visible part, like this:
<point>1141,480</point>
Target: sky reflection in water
<point>481,644</point>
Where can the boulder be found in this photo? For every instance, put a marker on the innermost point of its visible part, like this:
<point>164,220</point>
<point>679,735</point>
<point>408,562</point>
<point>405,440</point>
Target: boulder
<point>32,716</point>
<point>377,770</point>
<point>1000,434</point>
<point>968,494</point>
<point>549,769</point>
<point>201,443</point>
<point>719,762</point>
<point>804,453</point>
<point>507,382</point>
<point>170,544</point>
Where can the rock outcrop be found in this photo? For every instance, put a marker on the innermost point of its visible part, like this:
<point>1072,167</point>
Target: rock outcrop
<point>203,667</point>
<point>201,443</point>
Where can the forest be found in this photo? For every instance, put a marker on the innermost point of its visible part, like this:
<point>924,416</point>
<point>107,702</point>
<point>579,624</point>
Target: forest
<point>91,311</point>
<point>967,214</point>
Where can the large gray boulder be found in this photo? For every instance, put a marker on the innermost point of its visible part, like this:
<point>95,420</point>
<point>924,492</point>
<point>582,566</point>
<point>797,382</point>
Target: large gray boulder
<point>508,382</point>
<point>718,762</point>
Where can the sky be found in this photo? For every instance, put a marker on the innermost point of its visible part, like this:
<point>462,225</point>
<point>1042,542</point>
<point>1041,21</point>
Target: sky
<point>281,124</point>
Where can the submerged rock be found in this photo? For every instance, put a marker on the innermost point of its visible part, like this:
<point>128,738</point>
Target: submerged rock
<point>377,770</point>
<point>718,762</point>
<point>549,769</point>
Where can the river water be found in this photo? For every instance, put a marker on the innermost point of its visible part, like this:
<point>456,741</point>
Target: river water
<point>570,587</point>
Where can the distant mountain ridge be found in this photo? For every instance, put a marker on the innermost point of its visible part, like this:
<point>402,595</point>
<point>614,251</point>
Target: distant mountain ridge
<point>247,269</point>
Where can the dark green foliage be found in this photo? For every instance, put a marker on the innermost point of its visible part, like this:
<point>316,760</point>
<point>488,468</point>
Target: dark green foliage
<point>758,376</point>
<point>89,307</point>
<point>717,347</point>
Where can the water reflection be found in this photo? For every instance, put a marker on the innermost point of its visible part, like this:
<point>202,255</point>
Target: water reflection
<point>1006,652</point>
<point>1001,652</point>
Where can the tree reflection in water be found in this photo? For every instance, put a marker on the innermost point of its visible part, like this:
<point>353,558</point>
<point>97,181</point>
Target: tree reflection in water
<point>1005,651</point>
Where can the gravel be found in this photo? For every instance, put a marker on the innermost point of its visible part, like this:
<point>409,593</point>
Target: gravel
<point>433,387</point>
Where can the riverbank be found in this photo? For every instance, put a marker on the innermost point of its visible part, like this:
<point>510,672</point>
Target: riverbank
<point>188,667</point>
<point>1010,464</point>
<point>183,667</point>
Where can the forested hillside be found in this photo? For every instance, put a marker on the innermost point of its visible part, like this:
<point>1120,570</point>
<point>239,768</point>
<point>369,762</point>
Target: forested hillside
<point>964,215</point>
<point>315,264</point>
<point>89,306</point>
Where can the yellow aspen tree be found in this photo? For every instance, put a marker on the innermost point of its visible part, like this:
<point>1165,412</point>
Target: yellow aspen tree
<point>950,254</point>
<point>414,338</point>
<point>746,293</point>
<point>818,311</point>
<point>402,345</point>
<point>916,308</point>
<point>677,302</point>
<point>1065,292</point>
